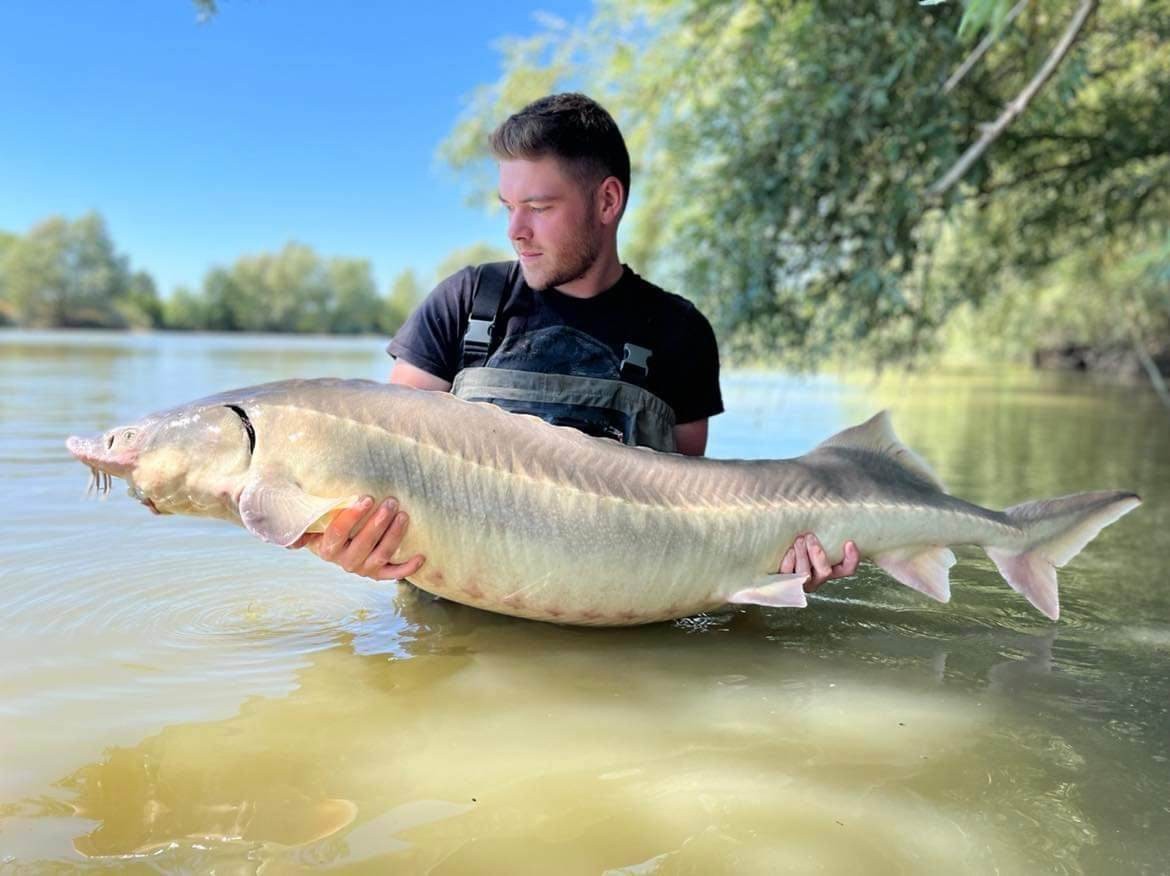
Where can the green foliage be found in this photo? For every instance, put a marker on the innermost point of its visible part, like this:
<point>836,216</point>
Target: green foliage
<point>356,306</point>
<point>205,10</point>
<point>980,14</point>
<point>293,290</point>
<point>140,307</point>
<point>782,151</point>
<point>68,274</point>
<point>7,312</point>
<point>405,295</point>
<point>475,254</point>
<point>1107,297</point>
<point>185,310</point>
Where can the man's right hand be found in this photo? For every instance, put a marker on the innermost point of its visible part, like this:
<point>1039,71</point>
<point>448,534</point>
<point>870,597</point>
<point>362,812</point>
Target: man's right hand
<point>362,539</point>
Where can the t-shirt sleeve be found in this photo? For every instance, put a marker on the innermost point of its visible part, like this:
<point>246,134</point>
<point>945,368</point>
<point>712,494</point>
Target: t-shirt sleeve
<point>432,336</point>
<point>697,390</point>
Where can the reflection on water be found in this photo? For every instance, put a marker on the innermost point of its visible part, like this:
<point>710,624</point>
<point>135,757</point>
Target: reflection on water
<point>179,697</point>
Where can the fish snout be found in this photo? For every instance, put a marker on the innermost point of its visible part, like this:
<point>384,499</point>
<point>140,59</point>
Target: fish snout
<point>100,452</point>
<point>84,449</point>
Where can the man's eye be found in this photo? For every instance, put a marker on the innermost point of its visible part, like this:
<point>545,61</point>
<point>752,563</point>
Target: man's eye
<point>539,209</point>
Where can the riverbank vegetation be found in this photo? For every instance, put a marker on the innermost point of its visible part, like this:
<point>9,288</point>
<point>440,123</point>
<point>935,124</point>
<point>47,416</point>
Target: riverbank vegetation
<point>68,274</point>
<point>872,182</point>
<point>795,167</point>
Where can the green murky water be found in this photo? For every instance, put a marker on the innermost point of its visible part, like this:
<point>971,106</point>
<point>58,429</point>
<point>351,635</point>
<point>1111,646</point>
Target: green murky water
<point>176,697</point>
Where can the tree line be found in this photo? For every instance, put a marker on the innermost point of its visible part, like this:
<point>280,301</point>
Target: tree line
<point>861,181</point>
<point>67,273</point>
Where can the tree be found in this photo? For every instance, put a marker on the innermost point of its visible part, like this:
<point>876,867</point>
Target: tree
<point>7,314</point>
<point>140,307</point>
<point>473,254</point>
<point>785,154</point>
<point>405,294</point>
<point>293,290</point>
<point>67,274</point>
<point>287,291</point>
<point>186,310</point>
<point>356,306</point>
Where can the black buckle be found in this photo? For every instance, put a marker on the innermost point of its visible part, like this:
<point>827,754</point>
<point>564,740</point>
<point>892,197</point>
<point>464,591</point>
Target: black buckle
<point>479,334</point>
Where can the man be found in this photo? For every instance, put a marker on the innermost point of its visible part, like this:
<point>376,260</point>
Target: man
<point>567,332</point>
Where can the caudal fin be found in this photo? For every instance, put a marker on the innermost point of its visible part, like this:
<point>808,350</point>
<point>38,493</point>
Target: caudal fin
<point>1056,531</point>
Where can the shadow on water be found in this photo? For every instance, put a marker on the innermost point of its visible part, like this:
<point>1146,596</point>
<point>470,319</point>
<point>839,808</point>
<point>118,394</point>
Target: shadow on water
<point>748,740</point>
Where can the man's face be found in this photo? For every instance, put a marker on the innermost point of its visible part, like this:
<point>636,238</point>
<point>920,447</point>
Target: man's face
<point>552,223</point>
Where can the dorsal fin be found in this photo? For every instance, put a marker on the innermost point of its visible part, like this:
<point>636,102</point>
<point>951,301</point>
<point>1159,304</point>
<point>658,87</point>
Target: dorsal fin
<point>877,436</point>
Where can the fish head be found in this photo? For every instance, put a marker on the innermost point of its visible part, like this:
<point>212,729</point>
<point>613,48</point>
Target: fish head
<point>190,460</point>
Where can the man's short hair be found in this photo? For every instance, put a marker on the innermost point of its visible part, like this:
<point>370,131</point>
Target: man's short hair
<point>572,127</point>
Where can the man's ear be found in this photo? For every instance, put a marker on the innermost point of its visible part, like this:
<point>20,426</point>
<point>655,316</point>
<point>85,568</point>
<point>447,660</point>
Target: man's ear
<point>611,199</point>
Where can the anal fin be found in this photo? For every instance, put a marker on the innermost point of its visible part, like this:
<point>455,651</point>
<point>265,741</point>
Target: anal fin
<point>1031,575</point>
<point>777,591</point>
<point>925,568</point>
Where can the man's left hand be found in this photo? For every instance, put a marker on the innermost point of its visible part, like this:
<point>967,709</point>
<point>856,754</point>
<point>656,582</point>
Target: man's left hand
<point>807,557</point>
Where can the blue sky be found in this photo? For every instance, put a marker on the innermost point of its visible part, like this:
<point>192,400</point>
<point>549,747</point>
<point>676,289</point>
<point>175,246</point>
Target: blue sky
<point>293,120</point>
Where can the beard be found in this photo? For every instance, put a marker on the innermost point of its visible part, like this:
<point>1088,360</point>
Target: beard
<point>570,264</point>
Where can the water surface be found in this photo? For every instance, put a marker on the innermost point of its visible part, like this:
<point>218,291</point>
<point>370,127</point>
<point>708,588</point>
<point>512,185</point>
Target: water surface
<point>177,697</point>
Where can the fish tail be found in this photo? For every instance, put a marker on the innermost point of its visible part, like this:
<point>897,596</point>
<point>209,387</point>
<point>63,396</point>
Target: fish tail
<point>1055,531</point>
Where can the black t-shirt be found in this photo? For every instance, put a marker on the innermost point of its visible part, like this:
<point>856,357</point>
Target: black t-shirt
<point>683,371</point>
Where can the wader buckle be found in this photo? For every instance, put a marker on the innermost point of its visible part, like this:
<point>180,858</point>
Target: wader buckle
<point>634,356</point>
<point>479,335</point>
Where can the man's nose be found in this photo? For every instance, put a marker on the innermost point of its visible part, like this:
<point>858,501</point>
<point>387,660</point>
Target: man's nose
<point>518,226</point>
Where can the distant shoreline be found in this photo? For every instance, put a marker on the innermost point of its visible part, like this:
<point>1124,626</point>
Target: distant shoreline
<point>100,330</point>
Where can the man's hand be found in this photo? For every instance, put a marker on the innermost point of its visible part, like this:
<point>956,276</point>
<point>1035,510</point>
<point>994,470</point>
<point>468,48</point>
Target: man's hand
<point>362,539</point>
<point>807,557</point>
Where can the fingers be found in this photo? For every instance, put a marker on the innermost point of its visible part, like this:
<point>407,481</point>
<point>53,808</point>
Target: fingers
<point>807,556</point>
<point>822,571</point>
<point>801,565</point>
<point>377,561</point>
<point>849,563</point>
<point>384,530</point>
<point>788,564</point>
<point>399,570</point>
<point>336,536</point>
<point>363,539</point>
<point>311,541</point>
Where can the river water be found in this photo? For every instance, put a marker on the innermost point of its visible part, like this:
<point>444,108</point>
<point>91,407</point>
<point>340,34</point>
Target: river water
<point>178,697</point>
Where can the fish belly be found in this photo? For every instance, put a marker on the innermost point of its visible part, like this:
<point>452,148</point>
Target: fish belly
<point>535,548</point>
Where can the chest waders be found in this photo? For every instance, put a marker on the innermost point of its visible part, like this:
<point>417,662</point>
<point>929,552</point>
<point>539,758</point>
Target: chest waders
<point>622,408</point>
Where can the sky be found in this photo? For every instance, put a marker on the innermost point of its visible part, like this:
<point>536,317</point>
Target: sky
<point>277,120</point>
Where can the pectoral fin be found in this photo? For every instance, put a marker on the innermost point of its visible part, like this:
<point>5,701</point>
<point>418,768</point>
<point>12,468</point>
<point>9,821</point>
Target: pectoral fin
<point>923,567</point>
<point>280,512</point>
<point>779,591</point>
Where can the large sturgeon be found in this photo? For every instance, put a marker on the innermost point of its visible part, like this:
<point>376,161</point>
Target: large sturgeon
<point>538,521</point>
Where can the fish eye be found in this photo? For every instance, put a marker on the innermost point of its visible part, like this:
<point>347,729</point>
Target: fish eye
<point>128,435</point>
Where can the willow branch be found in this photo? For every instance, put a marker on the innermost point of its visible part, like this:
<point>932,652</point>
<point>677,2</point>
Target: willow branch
<point>1017,106</point>
<point>980,50</point>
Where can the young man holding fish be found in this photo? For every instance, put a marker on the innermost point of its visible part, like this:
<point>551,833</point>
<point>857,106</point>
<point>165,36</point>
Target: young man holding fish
<point>567,333</point>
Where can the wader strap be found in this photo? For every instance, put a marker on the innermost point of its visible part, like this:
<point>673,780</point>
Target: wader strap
<point>491,281</point>
<point>637,352</point>
<point>483,335</point>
